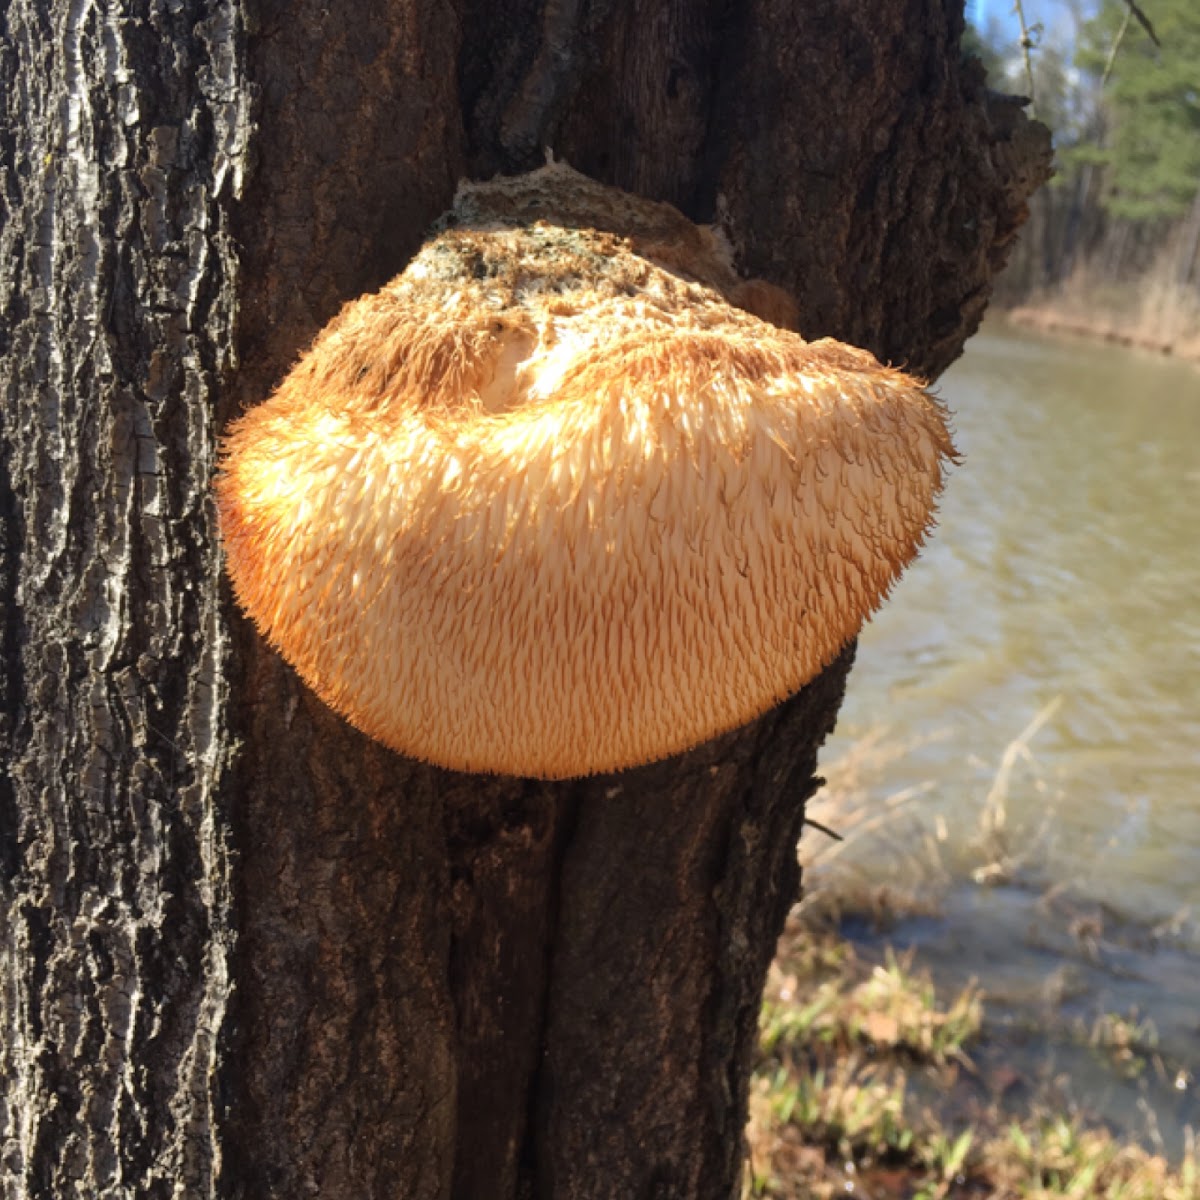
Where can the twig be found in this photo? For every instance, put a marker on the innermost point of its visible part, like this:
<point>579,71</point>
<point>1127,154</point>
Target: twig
<point>1027,44</point>
<point>1132,10</point>
<point>833,833</point>
<point>1143,21</point>
<point>1116,46</point>
<point>994,806</point>
<point>889,807</point>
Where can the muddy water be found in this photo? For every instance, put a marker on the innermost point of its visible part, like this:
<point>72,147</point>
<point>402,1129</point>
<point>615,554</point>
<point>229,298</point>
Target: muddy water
<point>1059,599</point>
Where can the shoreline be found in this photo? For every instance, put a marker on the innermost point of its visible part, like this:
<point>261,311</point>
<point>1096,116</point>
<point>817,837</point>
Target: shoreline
<point>1100,328</point>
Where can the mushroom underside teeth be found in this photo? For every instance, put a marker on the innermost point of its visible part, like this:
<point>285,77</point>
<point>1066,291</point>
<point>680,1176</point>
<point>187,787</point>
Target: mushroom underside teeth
<point>555,533</point>
<point>603,606</point>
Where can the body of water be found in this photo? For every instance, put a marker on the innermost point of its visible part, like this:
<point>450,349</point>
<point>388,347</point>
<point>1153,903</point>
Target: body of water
<point>1059,599</point>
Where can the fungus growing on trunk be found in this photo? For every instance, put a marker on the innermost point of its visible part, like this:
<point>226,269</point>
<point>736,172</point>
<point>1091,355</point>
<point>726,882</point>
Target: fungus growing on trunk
<point>552,503</point>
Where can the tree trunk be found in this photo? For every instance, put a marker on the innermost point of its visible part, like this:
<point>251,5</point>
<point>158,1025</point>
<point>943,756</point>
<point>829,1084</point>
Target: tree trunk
<point>247,952</point>
<point>1189,242</point>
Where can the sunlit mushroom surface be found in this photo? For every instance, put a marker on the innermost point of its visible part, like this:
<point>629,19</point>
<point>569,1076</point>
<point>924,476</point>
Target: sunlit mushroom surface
<point>550,504</point>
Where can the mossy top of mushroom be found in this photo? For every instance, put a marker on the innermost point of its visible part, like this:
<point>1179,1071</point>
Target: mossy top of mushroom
<point>550,504</point>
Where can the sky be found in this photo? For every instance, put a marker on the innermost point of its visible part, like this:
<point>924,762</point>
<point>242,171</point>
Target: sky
<point>1056,16</point>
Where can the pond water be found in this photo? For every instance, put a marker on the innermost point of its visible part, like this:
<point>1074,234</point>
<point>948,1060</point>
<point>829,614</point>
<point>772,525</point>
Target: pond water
<point>1021,737</point>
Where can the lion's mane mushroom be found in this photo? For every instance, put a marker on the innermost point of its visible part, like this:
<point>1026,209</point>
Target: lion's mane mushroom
<point>551,503</point>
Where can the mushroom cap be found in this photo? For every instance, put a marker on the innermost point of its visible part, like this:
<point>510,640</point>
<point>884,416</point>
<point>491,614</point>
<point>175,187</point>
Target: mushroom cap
<point>549,504</point>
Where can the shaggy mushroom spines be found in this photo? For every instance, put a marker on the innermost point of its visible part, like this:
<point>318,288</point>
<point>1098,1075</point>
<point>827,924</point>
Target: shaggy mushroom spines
<point>544,506</point>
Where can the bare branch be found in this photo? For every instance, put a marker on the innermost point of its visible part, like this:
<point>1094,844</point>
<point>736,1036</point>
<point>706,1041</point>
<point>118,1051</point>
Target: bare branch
<point>1116,46</point>
<point>831,833</point>
<point>1143,21</point>
<point>1028,42</point>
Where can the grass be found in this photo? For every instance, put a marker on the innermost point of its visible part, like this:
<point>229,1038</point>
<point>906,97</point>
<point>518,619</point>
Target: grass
<point>891,1009</point>
<point>836,1109</point>
<point>1129,1042</point>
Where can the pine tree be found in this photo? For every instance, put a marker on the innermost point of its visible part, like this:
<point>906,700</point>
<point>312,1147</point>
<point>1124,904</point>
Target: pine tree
<point>1153,96</point>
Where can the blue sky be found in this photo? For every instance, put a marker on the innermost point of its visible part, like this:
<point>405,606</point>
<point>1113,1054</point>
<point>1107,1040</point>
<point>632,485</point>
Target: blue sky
<point>1056,16</point>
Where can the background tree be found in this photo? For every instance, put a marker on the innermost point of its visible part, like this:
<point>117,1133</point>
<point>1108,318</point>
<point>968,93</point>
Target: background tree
<point>247,952</point>
<point>1120,223</point>
<point>1152,93</point>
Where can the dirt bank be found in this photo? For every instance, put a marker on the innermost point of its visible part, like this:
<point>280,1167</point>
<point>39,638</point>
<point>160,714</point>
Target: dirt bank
<point>1100,327</point>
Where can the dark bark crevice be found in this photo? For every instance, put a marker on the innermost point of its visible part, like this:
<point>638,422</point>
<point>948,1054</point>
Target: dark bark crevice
<point>505,885</point>
<point>12,639</point>
<point>539,1097</point>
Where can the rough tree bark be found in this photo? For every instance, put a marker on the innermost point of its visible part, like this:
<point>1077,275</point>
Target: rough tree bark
<point>246,952</point>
